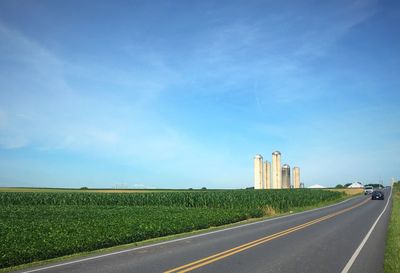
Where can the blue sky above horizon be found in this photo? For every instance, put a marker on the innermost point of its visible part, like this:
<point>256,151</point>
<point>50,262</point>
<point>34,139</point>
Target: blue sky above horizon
<point>179,94</point>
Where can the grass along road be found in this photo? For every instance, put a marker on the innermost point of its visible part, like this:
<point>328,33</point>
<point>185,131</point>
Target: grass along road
<point>392,253</point>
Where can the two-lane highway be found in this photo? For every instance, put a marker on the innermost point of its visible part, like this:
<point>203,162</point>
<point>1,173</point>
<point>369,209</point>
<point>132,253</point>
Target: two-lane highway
<point>346,237</point>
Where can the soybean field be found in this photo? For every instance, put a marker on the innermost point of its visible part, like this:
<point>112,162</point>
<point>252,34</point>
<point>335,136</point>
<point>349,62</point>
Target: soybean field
<point>36,226</point>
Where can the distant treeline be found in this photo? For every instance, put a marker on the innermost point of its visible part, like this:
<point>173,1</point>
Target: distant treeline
<point>340,186</point>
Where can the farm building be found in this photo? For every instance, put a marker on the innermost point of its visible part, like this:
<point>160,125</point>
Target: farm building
<point>356,185</point>
<point>316,186</point>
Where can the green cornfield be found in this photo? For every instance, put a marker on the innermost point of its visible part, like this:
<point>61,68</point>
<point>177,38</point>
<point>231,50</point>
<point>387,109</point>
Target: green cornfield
<point>36,226</point>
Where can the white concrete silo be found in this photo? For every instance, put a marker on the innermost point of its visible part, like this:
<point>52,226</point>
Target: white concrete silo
<point>258,172</point>
<point>296,177</point>
<point>276,170</point>
<point>267,175</point>
<point>285,176</point>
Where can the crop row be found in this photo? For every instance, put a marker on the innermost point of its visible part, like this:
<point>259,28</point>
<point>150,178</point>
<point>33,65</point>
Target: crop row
<point>281,200</point>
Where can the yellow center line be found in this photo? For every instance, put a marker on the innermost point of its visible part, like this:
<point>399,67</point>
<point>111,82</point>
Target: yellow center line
<point>218,256</point>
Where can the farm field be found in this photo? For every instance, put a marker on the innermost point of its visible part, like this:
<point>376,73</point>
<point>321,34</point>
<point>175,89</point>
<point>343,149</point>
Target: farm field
<point>42,225</point>
<point>348,191</point>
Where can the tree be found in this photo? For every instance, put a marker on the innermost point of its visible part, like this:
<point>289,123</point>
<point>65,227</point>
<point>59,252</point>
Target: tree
<point>339,186</point>
<point>346,185</point>
<point>375,185</point>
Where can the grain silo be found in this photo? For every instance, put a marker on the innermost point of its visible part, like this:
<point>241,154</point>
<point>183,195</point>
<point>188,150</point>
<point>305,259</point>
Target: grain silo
<point>267,175</point>
<point>286,176</point>
<point>296,177</point>
<point>264,177</point>
<point>258,172</point>
<point>276,170</point>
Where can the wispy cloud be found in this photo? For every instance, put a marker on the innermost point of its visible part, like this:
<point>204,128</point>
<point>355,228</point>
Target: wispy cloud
<point>327,28</point>
<point>191,105</point>
<point>13,142</point>
<point>277,52</point>
<point>121,126</point>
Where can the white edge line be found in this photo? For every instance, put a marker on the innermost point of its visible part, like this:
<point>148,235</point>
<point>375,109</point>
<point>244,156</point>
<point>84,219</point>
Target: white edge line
<point>358,250</point>
<point>180,239</point>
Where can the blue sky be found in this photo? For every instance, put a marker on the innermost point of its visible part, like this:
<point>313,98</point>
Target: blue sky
<point>179,94</point>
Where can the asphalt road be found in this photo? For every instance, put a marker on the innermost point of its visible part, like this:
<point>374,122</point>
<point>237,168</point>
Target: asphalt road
<point>323,240</point>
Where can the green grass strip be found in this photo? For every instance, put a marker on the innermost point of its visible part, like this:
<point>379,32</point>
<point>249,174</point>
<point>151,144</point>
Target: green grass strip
<point>392,252</point>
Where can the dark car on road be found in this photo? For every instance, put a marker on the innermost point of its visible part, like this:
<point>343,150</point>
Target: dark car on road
<point>378,195</point>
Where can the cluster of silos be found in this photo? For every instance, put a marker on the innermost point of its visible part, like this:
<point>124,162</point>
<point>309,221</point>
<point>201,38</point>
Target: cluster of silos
<point>275,176</point>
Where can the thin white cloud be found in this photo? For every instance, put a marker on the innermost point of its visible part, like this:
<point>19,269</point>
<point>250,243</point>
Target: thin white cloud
<point>328,28</point>
<point>13,142</point>
<point>127,129</point>
<point>236,53</point>
<point>3,119</point>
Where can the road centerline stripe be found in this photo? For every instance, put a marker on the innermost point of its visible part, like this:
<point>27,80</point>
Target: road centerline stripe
<point>229,252</point>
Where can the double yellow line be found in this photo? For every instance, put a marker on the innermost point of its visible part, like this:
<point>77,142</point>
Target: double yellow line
<point>221,255</point>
